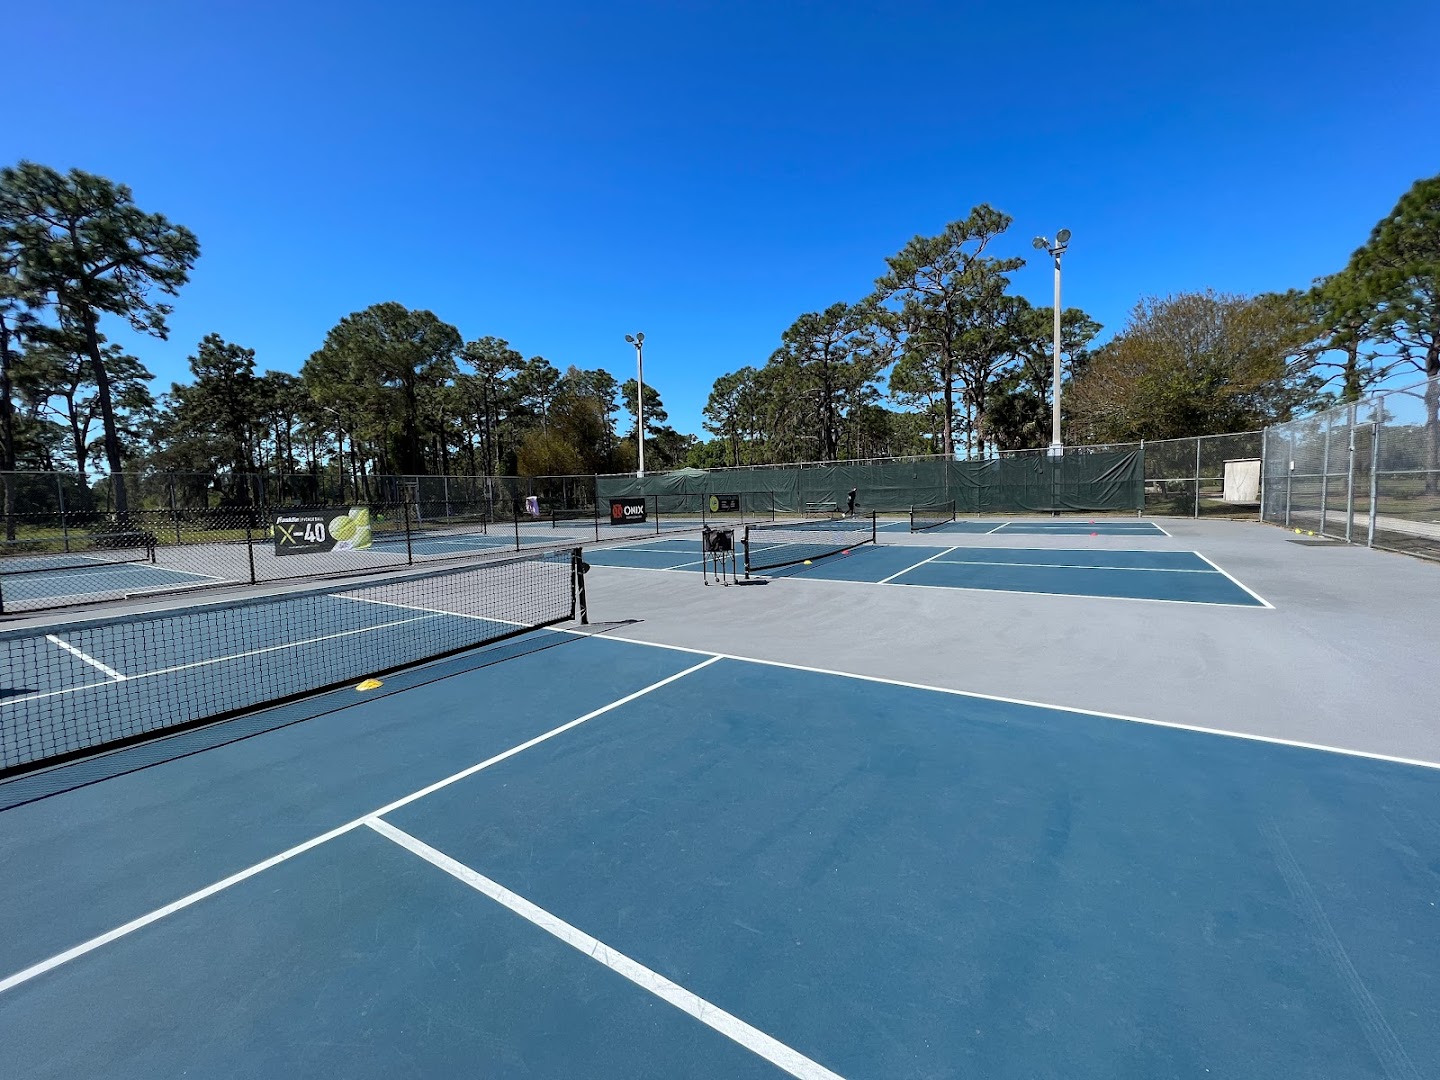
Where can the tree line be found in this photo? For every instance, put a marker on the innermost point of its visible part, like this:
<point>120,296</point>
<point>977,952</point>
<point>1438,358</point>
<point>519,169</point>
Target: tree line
<point>942,355</point>
<point>391,390</point>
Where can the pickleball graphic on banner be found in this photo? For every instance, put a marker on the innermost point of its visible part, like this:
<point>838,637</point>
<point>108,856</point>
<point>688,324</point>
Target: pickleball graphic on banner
<point>627,511</point>
<point>305,532</point>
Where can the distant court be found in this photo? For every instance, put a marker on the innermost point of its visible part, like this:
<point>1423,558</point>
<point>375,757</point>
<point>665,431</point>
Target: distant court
<point>1174,576</point>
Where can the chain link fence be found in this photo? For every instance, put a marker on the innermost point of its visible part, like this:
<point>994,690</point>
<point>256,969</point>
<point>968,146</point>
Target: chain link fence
<point>1188,477</point>
<point>65,543</point>
<point>1367,472</point>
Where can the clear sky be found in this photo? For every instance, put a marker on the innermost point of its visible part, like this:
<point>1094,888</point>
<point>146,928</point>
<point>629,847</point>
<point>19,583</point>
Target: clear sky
<point>561,174</point>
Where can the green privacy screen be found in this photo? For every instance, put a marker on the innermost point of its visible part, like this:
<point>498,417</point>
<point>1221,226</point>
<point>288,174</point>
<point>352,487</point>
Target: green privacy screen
<point>1107,480</point>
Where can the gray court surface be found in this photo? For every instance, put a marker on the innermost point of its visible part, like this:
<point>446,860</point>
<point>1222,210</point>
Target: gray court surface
<point>822,827</point>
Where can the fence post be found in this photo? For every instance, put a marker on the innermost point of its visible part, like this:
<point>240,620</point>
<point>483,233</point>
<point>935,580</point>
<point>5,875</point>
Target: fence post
<point>1139,510</point>
<point>64,517</point>
<point>1374,474</point>
<point>1197,477</point>
<point>1264,446</point>
<point>1350,478</point>
<point>1325,476</point>
<point>1289,476</point>
<point>174,513</point>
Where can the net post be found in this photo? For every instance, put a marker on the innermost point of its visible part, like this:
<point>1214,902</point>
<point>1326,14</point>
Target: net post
<point>249,548</point>
<point>597,519</point>
<point>874,527</point>
<point>517,530</point>
<point>657,514</point>
<point>578,604</point>
<point>409,554</point>
<point>745,541</point>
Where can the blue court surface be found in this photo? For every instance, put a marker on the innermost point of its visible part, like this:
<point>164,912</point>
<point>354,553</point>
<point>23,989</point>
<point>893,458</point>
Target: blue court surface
<point>67,579</point>
<point>93,686</point>
<point>612,860</point>
<point>1174,576</point>
<point>1051,527</point>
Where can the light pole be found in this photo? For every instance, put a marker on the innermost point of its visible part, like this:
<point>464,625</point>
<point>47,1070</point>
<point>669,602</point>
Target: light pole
<point>639,342</point>
<point>1062,240</point>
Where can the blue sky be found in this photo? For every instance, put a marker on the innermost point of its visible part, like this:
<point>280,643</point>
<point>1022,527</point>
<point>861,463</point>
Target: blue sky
<point>562,174</point>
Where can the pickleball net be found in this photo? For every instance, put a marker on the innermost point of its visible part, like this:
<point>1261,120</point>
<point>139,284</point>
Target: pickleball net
<point>70,689</point>
<point>931,517</point>
<point>791,543</point>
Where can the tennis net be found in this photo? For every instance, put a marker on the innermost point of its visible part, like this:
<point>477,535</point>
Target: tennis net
<point>931,517</point>
<point>67,690</point>
<point>786,543</point>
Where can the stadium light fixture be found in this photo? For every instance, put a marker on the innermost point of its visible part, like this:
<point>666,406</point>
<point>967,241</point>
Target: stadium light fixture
<point>639,342</point>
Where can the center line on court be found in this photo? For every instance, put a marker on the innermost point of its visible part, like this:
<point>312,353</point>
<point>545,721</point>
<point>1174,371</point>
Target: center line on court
<point>36,970</point>
<point>86,657</point>
<point>922,562</point>
<point>731,1026</point>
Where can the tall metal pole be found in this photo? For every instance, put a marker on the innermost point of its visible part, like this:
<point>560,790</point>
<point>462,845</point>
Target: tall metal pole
<point>1055,403</point>
<point>640,402</point>
<point>1056,249</point>
<point>639,342</point>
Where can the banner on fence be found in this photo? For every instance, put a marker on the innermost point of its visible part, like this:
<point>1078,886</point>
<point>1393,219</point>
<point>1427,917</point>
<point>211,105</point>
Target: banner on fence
<point>304,532</point>
<point>627,511</point>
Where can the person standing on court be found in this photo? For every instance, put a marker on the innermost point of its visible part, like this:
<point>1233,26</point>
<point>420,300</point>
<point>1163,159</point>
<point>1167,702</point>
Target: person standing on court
<point>850,510</point>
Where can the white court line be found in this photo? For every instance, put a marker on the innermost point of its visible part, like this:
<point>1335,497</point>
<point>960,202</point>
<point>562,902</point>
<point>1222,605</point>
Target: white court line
<point>87,658</point>
<point>1070,566</point>
<point>1238,582</point>
<point>173,586</point>
<point>997,528</point>
<point>732,1027</point>
<point>130,927</point>
<point>642,569</point>
<point>922,562</point>
<point>214,659</point>
<point>1073,596</point>
<point>1021,529</point>
<point>1222,732</point>
<point>177,570</point>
